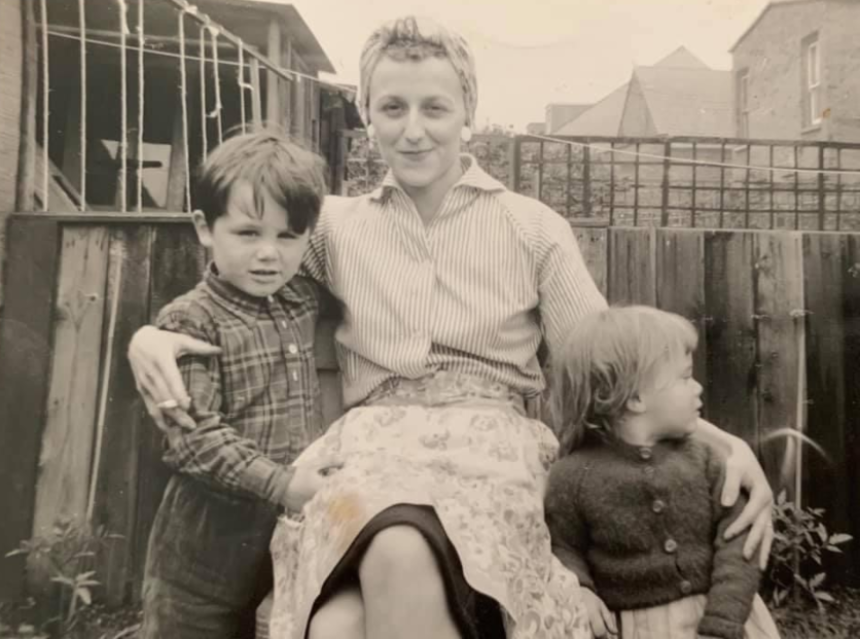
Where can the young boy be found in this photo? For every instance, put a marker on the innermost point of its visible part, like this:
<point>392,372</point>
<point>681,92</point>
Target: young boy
<point>256,406</point>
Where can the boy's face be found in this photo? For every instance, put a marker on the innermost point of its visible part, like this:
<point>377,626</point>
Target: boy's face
<point>673,403</point>
<point>256,255</point>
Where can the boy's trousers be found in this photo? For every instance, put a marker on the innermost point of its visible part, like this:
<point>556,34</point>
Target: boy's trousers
<point>208,565</point>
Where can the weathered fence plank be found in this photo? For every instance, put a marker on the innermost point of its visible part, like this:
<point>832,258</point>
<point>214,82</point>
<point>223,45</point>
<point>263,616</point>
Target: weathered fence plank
<point>681,287</point>
<point>631,266</point>
<point>177,263</point>
<point>730,333</point>
<point>593,243</point>
<point>824,269</point>
<point>26,326</point>
<point>64,463</point>
<point>780,330</point>
<point>125,421</point>
<point>851,355</point>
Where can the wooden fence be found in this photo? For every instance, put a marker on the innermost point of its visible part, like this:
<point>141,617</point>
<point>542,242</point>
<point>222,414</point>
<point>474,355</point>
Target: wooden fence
<point>779,314</point>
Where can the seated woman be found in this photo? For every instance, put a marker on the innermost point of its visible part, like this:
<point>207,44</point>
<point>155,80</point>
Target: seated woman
<point>434,526</point>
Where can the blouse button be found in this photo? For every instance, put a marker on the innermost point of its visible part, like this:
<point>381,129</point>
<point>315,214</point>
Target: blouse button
<point>686,587</point>
<point>670,546</point>
<point>658,505</point>
<point>645,453</point>
<point>293,349</point>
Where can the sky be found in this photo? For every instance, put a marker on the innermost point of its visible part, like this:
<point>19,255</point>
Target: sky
<point>533,52</point>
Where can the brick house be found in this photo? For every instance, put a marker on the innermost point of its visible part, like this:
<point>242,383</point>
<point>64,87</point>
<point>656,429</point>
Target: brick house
<point>797,72</point>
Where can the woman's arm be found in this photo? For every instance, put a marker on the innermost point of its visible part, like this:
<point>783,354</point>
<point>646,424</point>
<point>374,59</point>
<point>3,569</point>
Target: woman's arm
<point>152,354</point>
<point>743,470</point>
<point>734,580</point>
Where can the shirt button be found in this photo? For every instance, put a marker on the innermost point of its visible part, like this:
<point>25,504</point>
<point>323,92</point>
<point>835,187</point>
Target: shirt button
<point>670,546</point>
<point>645,453</point>
<point>658,505</point>
<point>284,323</point>
<point>293,349</point>
<point>686,587</point>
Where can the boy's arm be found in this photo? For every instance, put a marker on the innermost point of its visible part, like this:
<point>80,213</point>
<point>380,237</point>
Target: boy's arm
<point>214,451</point>
<point>734,580</point>
<point>567,526</point>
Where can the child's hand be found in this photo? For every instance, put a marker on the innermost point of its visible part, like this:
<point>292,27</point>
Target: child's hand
<point>602,620</point>
<point>306,481</point>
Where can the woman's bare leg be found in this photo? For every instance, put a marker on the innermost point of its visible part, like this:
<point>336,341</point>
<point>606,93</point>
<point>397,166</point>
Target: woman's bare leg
<point>402,587</point>
<point>341,617</point>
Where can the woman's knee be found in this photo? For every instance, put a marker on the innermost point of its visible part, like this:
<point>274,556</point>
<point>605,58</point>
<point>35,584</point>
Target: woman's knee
<point>398,551</point>
<point>341,617</point>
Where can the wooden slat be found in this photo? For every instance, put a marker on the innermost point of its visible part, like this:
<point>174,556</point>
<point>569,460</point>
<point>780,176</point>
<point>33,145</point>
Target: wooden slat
<point>681,287</point>
<point>125,417</point>
<point>25,335</point>
<point>177,263</point>
<point>65,461</point>
<point>730,333</point>
<point>593,243</point>
<point>781,339</point>
<point>631,266</point>
<point>851,354</point>
<point>824,273</point>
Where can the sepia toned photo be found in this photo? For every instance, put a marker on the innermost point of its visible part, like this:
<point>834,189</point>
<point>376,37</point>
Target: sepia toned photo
<point>339,319</point>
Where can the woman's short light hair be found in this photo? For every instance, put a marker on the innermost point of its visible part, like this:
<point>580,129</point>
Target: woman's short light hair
<point>414,38</point>
<point>609,357</point>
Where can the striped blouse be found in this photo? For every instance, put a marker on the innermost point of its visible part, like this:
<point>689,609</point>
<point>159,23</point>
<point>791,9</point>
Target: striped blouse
<point>474,291</point>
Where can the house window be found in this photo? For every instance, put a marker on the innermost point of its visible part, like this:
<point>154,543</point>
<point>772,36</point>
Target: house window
<point>744,104</point>
<point>812,81</point>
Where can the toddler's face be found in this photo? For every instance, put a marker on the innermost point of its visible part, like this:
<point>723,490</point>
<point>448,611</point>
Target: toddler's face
<point>673,402</point>
<point>257,255</point>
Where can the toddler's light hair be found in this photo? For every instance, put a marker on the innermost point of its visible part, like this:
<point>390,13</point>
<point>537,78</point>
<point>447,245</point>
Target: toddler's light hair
<point>609,358</point>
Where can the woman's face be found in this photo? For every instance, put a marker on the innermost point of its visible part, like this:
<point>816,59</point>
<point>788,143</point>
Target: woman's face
<point>417,109</point>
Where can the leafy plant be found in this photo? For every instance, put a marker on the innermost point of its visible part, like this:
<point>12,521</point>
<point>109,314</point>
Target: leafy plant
<point>800,541</point>
<point>67,555</point>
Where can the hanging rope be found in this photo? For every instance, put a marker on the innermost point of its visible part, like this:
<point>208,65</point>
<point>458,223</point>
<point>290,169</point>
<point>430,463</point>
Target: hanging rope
<point>118,257</point>
<point>46,162</point>
<point>204,133</point>
<point>82,23</point>
<point>216,74</point>
<point>183,85</point>
<point>140,103</point>
<point>123,92</point>
<point>240,76</point>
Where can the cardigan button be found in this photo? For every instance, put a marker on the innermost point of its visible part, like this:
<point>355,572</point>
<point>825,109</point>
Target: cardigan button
<point>686,587</point>
<point>670,546</point>
<point>658,506</point>
<point>293,349</point>
<point>645,453</point>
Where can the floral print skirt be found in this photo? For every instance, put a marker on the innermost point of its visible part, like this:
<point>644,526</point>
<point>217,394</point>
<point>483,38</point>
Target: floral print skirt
<point>464,447</point>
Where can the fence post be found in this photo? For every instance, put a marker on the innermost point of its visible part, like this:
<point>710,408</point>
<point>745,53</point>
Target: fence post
<point>514,164</point>
<point>821,200</point>
<point>586,181</point>
<point>664,213</point>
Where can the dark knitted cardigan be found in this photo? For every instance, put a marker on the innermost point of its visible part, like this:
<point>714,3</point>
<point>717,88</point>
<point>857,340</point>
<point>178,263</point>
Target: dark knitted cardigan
<point>644,527</point>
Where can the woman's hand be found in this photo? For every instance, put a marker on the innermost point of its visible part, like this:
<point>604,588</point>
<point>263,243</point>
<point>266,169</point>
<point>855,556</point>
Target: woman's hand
<point>152,354</point>
<point>307,481</point>
<point>744,471</point>
<point>601,618</point>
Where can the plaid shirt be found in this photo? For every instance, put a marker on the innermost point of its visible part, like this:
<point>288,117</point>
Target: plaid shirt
<point>257,405</point>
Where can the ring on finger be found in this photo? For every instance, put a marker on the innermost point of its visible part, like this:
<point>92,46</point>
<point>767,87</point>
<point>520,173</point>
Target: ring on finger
<point>167,404</point>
